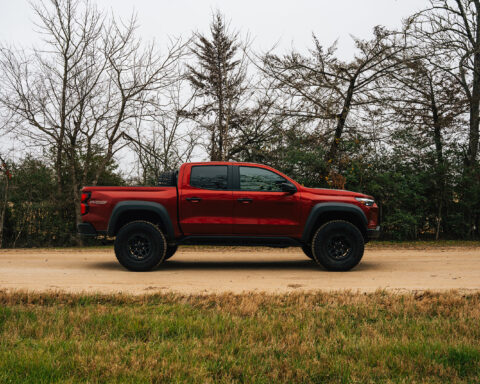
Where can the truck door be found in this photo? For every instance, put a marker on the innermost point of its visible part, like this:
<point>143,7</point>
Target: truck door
<point>260,206</point>
<point>206,201</point>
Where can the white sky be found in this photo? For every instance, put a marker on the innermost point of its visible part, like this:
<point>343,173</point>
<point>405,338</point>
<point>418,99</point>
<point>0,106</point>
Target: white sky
<point>290,23</point>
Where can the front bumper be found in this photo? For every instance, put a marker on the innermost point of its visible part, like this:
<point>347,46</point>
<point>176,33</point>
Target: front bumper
<point>373,234</point>
<point>86,230</point>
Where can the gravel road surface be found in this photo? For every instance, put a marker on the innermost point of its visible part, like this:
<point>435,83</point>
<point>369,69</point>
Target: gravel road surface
<point>217,270</point>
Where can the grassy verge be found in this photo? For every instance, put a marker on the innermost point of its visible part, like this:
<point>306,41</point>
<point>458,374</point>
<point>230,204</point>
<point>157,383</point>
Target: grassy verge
<point>424,244</point>
<point>254,338</point>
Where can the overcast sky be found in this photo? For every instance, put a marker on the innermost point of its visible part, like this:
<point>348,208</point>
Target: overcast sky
<point>288,22</point>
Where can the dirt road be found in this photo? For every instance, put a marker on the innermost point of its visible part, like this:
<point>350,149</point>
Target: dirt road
<point>238,270</point>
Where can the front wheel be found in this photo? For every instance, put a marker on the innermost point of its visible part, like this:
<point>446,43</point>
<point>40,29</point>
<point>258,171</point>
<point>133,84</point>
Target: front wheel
<point>171,249</point>
<point>338,245</point>
<point>140,246</point>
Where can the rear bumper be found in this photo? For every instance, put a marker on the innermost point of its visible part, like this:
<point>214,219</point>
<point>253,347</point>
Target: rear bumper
<point>86,230</point>
<point>373,234</point>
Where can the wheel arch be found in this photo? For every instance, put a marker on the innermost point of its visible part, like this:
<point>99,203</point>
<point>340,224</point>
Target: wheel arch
<point>324,212</point>
<point>127,211</point>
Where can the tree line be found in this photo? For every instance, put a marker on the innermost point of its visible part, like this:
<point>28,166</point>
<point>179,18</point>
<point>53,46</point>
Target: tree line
<point>399,120</point>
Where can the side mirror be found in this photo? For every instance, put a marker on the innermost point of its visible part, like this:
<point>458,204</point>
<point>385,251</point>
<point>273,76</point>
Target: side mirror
<point>289,188</point>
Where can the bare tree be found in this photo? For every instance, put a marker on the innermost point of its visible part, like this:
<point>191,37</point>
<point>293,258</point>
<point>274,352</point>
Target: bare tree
<point>451,30</point>
<point>165,137</point>
<point>429,103</point>
<point>133,77</point>
<point>80,93</point>
<point>38,87</point>
<point>50,89</point>
<point>324,91</point>
<point>255,124</point>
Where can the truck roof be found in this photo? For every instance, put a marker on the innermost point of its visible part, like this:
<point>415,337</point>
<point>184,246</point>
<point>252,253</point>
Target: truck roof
<point>225,163</point>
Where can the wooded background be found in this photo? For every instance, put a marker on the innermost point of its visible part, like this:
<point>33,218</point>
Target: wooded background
<point>399,121</point>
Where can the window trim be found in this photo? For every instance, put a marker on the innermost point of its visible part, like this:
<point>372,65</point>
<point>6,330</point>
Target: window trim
<point>229,177</point>
<point>236,179</point>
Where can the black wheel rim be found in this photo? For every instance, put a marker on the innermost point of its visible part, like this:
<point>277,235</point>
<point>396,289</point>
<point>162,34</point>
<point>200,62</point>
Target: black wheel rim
<point>139,247</point>
<point>339,247</point>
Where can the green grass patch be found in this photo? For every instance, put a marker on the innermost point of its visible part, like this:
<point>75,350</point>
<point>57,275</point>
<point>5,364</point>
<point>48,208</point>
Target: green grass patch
<point>251,338</point>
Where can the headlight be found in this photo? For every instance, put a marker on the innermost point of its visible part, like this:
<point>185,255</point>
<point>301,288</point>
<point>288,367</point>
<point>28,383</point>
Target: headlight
<point>366,201</point>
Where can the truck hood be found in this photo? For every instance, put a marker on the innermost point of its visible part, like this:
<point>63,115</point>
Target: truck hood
<point>335,192</point>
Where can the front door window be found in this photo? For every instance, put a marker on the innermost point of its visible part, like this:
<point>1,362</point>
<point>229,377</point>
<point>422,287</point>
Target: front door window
<point>259,179</point>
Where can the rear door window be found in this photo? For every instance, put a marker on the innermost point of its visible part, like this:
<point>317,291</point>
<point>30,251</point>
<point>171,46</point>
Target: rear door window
<point>209,177</point>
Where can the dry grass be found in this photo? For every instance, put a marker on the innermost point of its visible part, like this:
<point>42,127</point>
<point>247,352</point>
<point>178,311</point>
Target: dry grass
<point>253,338</point>
<point>420,244</point>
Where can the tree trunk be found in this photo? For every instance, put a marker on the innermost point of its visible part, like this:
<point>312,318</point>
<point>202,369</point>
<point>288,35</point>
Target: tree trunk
<point>342,118</point>
<point>76,197</point>
<point>474,120</point>
<point>475,100</point>
<point>213,141</point>
<point>4,209</point>
<point>439,221</point>
<point>63,121</point>
<point>221,130</point>
<point>471,157</point>
<point>437,138</point>
<point>112,139</point>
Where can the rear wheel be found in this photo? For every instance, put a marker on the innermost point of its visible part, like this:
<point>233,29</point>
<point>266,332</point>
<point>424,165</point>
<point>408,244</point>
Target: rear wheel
<point>140,246</point>
<point>171,249</point>
<point>338,245</point>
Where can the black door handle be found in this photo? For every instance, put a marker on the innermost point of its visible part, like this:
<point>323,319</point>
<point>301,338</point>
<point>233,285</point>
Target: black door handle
<point>245,200</point>
<point>194,199</point>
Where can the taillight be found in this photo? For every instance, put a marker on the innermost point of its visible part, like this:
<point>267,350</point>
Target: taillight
<point>85,196</point>
<point>84,202</point>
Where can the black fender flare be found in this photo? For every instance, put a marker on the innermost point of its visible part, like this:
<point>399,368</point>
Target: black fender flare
<point>137,205</point>
<point>321,208</point>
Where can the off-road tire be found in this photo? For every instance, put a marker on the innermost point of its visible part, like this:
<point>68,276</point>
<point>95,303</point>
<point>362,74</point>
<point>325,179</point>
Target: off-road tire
<point>338,245</point>
<point>171,249</point>
<point>307,249</point>
<point>140,246</point>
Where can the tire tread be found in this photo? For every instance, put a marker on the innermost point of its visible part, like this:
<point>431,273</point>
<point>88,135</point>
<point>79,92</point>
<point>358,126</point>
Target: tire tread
<point>317,232</point>
<point>161,235</point>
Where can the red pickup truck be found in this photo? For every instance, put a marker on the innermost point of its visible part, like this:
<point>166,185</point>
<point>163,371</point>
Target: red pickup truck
<point>228,203</point>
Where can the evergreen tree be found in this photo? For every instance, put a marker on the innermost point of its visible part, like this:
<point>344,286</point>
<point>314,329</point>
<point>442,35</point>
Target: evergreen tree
<point>218,80</point>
